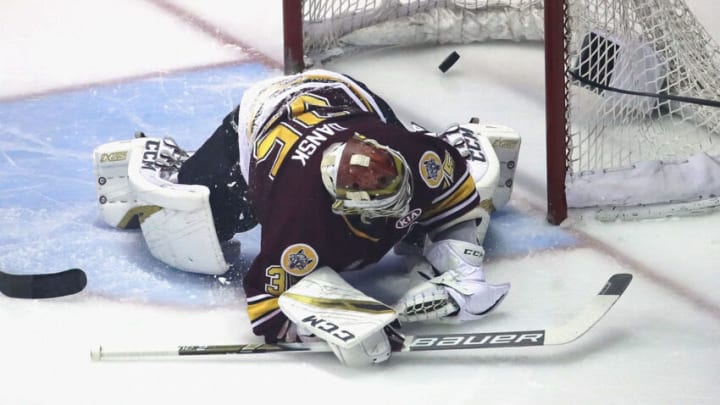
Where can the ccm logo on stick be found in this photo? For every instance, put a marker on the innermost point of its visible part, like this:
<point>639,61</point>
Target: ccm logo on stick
<point>479,340</point>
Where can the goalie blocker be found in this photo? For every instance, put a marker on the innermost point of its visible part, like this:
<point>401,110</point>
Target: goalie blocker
<point>352,323</point>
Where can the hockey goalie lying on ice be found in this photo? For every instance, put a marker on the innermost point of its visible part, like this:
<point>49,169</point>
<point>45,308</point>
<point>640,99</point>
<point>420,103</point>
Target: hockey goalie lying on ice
<point>335,180</point>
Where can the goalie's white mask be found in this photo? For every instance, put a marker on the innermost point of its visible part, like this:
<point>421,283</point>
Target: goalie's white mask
<point>366,179</point>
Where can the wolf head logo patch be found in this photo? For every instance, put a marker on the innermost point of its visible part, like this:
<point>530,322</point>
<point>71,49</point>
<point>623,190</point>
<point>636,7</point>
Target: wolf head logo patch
<point>299,259</point>
<point>436,172</point>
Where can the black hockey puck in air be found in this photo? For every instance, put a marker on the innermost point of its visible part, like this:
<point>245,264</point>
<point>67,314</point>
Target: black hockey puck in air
<point>449,61</point>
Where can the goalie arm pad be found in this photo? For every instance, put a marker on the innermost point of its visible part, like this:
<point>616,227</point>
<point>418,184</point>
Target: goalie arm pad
<point>351,322</point>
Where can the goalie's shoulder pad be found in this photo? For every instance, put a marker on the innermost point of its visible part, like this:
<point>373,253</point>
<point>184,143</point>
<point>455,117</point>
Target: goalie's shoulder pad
<point>325,304</point>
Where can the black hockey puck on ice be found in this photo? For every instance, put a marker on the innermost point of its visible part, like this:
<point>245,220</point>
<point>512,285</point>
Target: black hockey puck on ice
<point>449,61</point>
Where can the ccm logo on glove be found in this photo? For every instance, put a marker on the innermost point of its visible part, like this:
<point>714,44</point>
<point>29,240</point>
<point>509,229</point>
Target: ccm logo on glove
<point>329,327</point>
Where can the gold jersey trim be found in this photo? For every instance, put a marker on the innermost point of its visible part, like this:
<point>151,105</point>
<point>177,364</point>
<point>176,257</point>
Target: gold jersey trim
<point>460,195</point>
<point>257,310</point>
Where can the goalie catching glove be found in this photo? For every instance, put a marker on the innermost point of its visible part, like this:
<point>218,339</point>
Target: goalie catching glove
<point>455,290</point>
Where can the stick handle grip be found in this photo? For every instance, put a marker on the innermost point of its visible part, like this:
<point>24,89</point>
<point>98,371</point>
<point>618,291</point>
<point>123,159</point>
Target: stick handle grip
<point>99,353</point>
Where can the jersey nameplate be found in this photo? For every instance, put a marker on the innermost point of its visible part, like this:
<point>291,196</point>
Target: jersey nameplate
<point>309,145</point>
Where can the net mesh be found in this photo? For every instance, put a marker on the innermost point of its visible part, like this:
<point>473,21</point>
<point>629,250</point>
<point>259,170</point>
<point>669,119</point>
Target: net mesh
<point>614,140</point>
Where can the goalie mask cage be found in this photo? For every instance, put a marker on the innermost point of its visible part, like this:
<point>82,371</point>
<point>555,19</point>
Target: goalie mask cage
<point>632,87</point>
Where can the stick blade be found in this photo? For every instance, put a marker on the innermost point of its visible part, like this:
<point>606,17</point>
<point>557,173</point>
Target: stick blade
<point>617,284</point>
<point>591,313</point>
<point>49,285</point>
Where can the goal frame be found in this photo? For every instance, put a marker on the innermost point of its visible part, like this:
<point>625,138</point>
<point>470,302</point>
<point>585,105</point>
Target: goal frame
<point>556,92</point>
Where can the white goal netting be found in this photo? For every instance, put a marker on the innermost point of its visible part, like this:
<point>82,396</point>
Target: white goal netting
<point>642,87</point>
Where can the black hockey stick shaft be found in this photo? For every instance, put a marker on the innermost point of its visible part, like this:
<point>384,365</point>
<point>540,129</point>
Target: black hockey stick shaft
<point>570,331</point>
<point>47,285</point>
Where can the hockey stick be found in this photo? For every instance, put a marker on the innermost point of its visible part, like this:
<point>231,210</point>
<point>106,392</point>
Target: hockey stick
<point>49,285</point>
<point>569,332</point>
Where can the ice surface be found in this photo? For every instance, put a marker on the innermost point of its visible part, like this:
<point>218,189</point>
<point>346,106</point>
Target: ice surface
<point>75,74</point>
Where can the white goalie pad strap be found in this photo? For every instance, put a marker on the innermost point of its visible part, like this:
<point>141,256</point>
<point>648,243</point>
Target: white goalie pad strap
<point>333,310</point>
<point>177,221</point>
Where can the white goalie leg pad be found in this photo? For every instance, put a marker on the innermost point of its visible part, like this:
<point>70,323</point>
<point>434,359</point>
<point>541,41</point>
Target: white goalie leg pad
<point>116,200</point>
<point>483,164</point>
<point>491,152</point>
<point>505,144</point>
<point>177,221</point>
<point>347,319</point>
<point>185,240</point>
<point>480,144</point>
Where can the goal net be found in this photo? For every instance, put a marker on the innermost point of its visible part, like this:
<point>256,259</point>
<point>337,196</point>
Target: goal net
<point>633,113</point>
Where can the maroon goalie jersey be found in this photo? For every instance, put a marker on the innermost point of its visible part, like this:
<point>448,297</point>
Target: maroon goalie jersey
<point>299,230</point>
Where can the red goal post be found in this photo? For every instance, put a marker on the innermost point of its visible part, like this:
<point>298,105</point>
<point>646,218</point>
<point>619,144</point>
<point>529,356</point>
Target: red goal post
<point>632,90</point>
